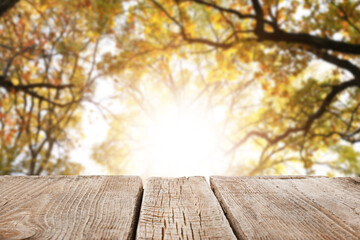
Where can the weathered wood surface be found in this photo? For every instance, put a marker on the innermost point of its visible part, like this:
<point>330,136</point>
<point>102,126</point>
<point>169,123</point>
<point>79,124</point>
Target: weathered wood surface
<point>290,207</point>
<point>181,208</point>
<point>69,207</point>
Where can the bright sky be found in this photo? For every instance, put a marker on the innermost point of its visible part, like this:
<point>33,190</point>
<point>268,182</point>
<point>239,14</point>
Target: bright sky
<point>180,143</point>
<point>95,129</point>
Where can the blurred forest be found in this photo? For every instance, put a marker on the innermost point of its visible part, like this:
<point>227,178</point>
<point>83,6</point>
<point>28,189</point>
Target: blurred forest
<point>281,78</point>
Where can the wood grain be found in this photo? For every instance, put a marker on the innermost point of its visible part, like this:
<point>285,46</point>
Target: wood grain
<point>181,208</point>
<point>290,207</point>
<point>69,207</point>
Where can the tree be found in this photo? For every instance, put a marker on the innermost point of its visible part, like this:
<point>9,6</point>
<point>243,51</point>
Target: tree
<point>49,52</point>
<point>304,112</point>
<point>284,74</point>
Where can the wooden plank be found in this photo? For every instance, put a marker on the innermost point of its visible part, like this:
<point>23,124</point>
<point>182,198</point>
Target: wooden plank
<point>181,208</point>
<point>290,208</point>
<point>69,207</point>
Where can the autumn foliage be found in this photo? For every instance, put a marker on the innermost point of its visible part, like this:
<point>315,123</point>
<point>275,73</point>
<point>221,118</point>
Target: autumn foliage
<point>285,74</point>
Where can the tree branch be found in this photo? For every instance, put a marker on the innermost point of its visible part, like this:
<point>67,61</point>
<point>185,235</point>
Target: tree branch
<point>305,128</point>
<point>327,101</point>
<point>5,5</point>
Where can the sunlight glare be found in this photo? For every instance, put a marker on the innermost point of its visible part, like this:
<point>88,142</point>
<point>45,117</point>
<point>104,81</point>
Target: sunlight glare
<point>183,143</point>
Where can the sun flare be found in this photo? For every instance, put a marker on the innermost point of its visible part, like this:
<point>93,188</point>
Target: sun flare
<point>182,143</point>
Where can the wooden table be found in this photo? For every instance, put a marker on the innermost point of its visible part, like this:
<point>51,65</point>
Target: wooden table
<point>117,207</point>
